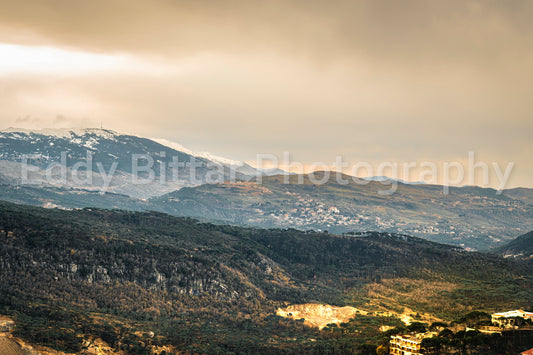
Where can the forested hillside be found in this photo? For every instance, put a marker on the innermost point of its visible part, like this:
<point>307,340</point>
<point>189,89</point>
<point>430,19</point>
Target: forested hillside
<point>71,276</point>
<point>471,217</point>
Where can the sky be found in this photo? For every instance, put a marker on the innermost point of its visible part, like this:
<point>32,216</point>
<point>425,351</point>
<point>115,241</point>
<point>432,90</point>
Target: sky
<point>370,81</point>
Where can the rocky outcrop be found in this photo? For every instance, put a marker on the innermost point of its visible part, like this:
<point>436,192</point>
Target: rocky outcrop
<point>6,324</point>
<point>319,315</point>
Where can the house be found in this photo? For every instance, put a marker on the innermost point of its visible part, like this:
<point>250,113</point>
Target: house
<point>408,344</point>
<point>511,319</point>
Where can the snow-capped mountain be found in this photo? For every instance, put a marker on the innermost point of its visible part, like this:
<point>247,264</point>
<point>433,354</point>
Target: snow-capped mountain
<point>240,166</point>
<point>104,160</point>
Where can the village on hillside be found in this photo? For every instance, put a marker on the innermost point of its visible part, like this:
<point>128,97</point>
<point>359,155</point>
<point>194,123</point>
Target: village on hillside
<point>502,323</point>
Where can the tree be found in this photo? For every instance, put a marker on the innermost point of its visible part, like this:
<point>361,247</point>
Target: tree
<point>382,350</point>
<point>437,325</point>
<point>367,349</point>
<point>432,345</point>
<point>417,327</point>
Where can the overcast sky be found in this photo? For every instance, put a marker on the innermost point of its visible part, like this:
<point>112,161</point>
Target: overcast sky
<point>372,81</point>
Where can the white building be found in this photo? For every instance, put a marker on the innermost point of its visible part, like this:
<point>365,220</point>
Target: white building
<point>408,344</point>
<point>511,319</point>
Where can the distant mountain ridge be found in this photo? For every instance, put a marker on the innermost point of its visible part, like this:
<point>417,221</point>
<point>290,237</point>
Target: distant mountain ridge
<point>468,217</point>
<point>43,148</point>
<point>471,217</point>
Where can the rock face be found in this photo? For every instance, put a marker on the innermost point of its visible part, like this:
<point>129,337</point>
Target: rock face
<point>319,315</point>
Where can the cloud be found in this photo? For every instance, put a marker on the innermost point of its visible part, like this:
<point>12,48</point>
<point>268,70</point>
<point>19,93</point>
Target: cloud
<point>371,80</point>
<point>407,30</point>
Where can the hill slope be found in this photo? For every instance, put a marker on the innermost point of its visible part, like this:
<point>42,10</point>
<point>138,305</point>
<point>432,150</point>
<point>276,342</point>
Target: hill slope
<point>72,276</point>
<point>469,216</point>
<point>521,247</point>
<point>115,162</point>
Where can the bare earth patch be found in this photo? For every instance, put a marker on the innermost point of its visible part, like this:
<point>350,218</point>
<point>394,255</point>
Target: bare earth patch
<point>319,315</point>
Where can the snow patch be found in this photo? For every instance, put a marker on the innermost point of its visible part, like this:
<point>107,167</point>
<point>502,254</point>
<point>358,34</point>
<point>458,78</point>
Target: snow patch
<point>61,132</point>
<point>205,155</point>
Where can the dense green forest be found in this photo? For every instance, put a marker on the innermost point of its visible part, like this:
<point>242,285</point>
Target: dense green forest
<point>141,281</point>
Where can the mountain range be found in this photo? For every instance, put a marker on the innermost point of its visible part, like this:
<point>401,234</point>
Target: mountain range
<point>119,266</point>
<point>471,217</point>
<point>104,160</point>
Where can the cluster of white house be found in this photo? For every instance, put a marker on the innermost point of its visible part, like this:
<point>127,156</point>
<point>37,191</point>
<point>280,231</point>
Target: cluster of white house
<point>411,344</point>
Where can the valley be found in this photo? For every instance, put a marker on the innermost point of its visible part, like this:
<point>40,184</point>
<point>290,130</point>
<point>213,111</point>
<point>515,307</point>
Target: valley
<point>470,217</point>
<point>222,191</point>
<point>257,260</point>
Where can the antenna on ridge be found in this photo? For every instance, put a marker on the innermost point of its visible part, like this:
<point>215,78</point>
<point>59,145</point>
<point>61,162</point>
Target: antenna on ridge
<point>101,125</point>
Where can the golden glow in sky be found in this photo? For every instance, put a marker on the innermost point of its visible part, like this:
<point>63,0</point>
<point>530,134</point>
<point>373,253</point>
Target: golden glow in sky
<point>369,80</point>
<point>50,60</point>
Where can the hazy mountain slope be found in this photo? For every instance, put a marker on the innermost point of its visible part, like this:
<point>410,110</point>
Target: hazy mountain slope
<point>74,275</point>
<point>521,193</point>
<point>45,148</point>
<point>4,180</point>
<point>65,198</point>
<point>470,216</point>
